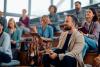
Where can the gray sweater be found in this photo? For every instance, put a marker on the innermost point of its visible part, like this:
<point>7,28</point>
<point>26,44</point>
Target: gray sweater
<point>5,45</point>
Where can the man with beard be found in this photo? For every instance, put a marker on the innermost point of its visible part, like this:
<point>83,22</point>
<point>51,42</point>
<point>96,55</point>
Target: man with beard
<point>69,49</point>
<point>79,13</point>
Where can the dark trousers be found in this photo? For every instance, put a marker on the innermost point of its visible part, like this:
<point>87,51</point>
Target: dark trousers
<point>66,62</point>
<point>15,54</point>
<point>4,58</point>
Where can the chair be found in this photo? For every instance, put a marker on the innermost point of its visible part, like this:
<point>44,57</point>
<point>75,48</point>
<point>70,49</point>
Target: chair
<point>89,58</point>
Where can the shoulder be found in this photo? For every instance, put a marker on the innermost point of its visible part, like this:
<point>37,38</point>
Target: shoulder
<point>6,29</point>
<point>79,37</point>
<point>6,35</point>
<point>39,27</point>
<point>83,10</point>
<point>17,30</point>
<point>96,23</point>
<point>4,18</point>
<point>20,18</point>
<point>50,27</point>
<point>78,34</point>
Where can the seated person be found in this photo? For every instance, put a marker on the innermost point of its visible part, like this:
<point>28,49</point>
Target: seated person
<point>15,36</point>
<point>5,46</point>
<point>45,31</point>
<point>78,12</point>
<point>69,49</point>
<point>54,18</point>
<point>89,29</point>
<point>24,22</point>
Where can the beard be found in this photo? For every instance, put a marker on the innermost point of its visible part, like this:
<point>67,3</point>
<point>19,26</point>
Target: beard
<point>67,28</point>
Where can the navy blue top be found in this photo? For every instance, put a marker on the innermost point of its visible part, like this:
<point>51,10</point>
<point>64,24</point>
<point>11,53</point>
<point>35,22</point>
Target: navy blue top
<point>65,47</point>
<point>66,43</point>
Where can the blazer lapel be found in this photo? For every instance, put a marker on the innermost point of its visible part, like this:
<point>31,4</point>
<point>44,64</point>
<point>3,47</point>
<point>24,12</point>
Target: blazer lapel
<point>71,41</point>
<point>62,39</point>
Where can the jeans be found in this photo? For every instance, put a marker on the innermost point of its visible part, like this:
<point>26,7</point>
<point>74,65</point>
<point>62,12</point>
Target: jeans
<point>89,44</point>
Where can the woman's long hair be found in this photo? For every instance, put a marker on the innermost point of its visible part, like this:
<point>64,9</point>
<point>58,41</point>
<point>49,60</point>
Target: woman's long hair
<point>12,19</point>
<point>95,18</point>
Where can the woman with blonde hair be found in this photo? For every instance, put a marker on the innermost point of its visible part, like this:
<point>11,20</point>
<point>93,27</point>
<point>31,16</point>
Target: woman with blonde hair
<point>14,33</point>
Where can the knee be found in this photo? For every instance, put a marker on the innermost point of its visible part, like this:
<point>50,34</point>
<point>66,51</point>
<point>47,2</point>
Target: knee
<point>68,59</point>
<point>7,59</point>
<point>65,58</point>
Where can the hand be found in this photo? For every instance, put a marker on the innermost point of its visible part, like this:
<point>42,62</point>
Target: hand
<point>48,51</point>
<point>34,29</point>
<point>97,60</point>
<point>13,42</point>
<point>53,55</point>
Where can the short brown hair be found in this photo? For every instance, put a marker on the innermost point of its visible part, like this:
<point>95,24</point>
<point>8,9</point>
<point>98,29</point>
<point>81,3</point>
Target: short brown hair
<point>78,2</point>
<point>55,8</point>
<point>74,20</point>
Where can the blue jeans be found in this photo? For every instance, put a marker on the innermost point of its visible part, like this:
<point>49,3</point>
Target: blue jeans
<point>89,44</point>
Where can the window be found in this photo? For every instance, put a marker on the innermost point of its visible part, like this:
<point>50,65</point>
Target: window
<point>83,2</point>
<point>62,5</point>
<point>1,5</point>
<point>96,1</point>
<point>16,6</point>
<point>39,7</point>
<point>15,18</point>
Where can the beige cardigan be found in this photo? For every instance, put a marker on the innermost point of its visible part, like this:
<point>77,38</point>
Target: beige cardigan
<point>75,46</point>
